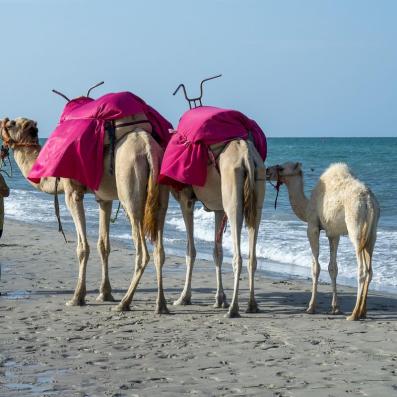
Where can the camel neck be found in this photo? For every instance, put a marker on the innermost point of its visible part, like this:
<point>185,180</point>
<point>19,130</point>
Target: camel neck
<point>25,157</point>
<point>297,198</point>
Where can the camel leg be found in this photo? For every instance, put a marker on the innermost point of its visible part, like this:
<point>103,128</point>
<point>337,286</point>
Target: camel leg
<point>141,260</point>
<point>364,266</point>
<point>313,233</point>
<point>364,273</point>
<point>233,205</point>
<point>187,207</point>
<point>131,181</point>
<point>105,210</point>
<point>235,226</point>
<point>220,296</point>
<point>158,253</point>
<point>74,201</point>
<point>361,278</point>
<point>252,263</point>
<point>333,272</point>
<point>367,257</point>
<point>363,307</point>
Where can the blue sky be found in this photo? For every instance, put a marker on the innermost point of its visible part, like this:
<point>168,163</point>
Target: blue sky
<point>299,68</point>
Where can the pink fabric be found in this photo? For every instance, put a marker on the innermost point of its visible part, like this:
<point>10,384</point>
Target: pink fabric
<point>75,149</point>
<point>186,157</point>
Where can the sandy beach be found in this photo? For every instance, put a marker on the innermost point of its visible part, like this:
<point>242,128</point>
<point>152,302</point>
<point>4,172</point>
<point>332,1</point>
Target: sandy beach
<point>48,349</point>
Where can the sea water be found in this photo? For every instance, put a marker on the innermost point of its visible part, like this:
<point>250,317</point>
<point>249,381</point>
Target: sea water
<point>283,248</point>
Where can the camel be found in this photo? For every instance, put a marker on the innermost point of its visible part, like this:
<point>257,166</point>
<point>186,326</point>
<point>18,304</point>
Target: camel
<point>236,189</point>
<point>340,205</point>
<point>4,192</point>
<point>137,159</point>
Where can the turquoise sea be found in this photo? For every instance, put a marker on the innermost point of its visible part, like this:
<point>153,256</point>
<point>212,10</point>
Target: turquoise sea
<point>282,248</point>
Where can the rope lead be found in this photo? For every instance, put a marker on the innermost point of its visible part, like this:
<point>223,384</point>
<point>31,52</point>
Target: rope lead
<point>57,213</point>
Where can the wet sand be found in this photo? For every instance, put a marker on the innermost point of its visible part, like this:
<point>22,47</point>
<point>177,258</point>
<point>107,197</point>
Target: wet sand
<point>48,349</point>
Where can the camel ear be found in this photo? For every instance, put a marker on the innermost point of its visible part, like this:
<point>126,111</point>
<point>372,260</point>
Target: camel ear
<point>298,166</point>
<point>28,124</point>
<point>4,121</point>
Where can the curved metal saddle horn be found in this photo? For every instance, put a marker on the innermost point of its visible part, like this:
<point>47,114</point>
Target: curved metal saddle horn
<point>195,102</point>
<point>88,92</point>
<point>60,94</point>
<point>94,86</point>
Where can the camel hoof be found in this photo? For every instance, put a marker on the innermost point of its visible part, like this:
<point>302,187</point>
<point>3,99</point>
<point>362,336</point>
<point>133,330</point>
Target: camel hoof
<point>76,302</point>
<point>232,314</point>
<point>221,302</point>
<point>105,297</point>
<point>183,301</point>
<point>252,308</point>
<point>162,310</point>
<point>221,305</point>
<point>122,307</point>
<point>336,311</point>
<point>352,317</point>
<point>310,310</point>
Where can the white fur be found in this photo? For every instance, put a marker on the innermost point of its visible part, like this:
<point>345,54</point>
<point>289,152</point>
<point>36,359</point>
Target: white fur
<point>339,204</point>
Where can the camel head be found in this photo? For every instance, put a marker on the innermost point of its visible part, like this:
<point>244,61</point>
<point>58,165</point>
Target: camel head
<point>281,173</point>
<point>19,132</point>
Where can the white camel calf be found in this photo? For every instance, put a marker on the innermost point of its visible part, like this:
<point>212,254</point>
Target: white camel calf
<point>339,204</point>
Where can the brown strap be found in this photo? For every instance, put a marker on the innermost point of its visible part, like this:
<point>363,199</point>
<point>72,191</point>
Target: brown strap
<point>131,123</point>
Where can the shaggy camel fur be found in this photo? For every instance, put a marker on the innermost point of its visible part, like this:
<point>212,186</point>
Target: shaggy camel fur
<point>339,204</point>
<point>4,192</point>
<point>136,165</point>
<point>238,190</point>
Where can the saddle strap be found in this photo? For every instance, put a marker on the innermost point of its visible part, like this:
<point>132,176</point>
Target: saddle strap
<point>154,134</point>
<point>111,127</point>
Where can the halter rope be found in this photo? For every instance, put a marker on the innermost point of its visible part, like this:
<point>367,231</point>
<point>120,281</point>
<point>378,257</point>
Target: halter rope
<point>277,185</point>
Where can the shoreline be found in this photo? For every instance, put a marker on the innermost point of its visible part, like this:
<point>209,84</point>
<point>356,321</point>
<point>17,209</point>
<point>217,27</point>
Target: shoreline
<point>295,274</point>
<point>49,349</point>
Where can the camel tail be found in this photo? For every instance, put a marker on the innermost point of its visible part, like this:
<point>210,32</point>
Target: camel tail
<point>249,197</point>
<point>152,204</point>
<point>368,231</point>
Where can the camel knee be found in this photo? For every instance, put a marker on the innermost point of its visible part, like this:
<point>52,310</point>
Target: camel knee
<point>83,251</point>
<point>159,255</point>
<point>252,264</point>
<point>103,248</point>
<point>315,270</point>
<point>237,263</point>
<point>141,262</point>
<point>191,254</point>
<point>333,270</point>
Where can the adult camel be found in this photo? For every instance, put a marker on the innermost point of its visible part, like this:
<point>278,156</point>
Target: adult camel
<point>340,205</point>
<point>136,161</point>
<point>233,183</point>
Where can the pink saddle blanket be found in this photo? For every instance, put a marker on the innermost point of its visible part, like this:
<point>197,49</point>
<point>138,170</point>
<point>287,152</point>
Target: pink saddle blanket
<point>75,148</point>
<point>186,156</point>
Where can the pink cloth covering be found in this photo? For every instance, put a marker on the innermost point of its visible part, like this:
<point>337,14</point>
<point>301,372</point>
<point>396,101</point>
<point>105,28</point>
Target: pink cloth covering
<point>186,157</point>
<point>75,149</point>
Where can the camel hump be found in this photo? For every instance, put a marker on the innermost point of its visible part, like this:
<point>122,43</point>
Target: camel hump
<point>340,177</point>
<point>338,169</point>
